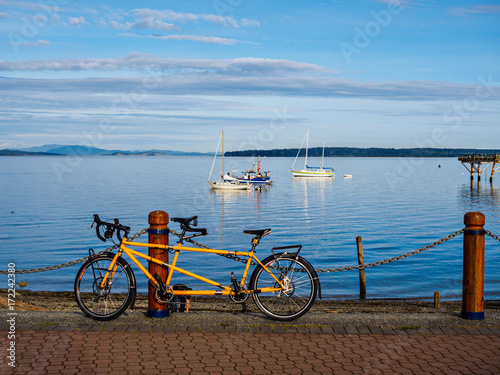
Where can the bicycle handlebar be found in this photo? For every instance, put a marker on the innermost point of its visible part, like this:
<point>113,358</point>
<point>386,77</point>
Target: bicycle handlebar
<point>110,228</point>
<point>186,224</point>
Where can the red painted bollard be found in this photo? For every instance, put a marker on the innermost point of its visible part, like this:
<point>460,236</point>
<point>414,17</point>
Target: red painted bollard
<point>473,275</point>
<point>158,234</point>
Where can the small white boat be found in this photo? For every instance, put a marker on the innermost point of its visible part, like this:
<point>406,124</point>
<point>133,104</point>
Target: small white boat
<point>226,182</point>
<point>347,175</point>
<point>227,185</point>
<point>311,171</point>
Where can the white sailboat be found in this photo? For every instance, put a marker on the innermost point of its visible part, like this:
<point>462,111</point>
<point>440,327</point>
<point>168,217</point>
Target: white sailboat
<point>311,171</point>
<point>224,183</point>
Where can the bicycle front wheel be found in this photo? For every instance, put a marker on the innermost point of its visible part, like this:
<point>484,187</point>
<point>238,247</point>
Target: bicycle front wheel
<point>300,286</point>
<point>111,300</point>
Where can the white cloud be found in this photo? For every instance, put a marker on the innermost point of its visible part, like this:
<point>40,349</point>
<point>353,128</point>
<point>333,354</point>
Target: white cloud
<point>37,43</point>
<point>154,19</point>
<point>4,15</point>
<point>56,21</point>
<point>197,38</point>
<point>40,19</point>
<point>77,21</point>
<point>476,9</point>
<point>141,62</point>
<point>256,82</point>
<point>249,22</point>
<point>184,17</point>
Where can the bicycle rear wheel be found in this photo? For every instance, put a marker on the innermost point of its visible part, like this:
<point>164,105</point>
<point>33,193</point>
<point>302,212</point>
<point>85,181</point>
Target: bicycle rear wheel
<point>110,301</point>
<point>301,286</point>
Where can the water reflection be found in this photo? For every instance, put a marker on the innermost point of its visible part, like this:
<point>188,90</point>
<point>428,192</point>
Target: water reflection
<point>238,205</point>
<point>314,190</point>
<point>486,195</point>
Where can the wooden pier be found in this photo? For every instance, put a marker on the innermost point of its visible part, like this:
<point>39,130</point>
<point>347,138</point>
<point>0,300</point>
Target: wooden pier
<point>479,162</point>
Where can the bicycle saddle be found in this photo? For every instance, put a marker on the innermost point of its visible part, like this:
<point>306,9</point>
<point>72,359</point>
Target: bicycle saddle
<point>258,232</point>
<point>186,221</point>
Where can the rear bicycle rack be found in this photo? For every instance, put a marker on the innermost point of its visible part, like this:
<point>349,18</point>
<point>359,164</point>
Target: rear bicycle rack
<point>299,247</point>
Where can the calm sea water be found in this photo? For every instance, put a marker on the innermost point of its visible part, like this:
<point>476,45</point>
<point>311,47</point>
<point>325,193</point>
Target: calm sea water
<point>396,205</point>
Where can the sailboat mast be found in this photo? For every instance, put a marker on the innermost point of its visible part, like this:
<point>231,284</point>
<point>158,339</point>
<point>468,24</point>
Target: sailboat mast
<point>307,148</point>
<point>223,155</point>
<point>323,156</point>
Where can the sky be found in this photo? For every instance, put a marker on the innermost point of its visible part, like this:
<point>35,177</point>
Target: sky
<point>171,75</point>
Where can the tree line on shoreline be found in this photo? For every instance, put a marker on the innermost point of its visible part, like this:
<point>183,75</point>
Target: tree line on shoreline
<point>366,152</point>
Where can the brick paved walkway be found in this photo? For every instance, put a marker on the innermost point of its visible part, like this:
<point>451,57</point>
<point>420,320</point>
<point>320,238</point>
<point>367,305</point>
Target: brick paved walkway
<point>206,350</point>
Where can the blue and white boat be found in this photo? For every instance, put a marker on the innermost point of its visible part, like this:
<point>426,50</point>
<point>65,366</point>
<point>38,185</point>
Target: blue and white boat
<point>255,177</point>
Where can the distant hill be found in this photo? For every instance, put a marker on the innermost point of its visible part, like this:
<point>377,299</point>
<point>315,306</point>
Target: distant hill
<point>366,152</point>
<point>83,150</point>
<point>8,152</point>
<point>80,150</point>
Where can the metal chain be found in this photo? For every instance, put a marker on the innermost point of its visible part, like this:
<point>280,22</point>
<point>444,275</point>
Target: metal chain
<point>234,257</point>
<point>196,243</point>
<point>63,265</point>
<point>394,259</point>
<point>494,236</point>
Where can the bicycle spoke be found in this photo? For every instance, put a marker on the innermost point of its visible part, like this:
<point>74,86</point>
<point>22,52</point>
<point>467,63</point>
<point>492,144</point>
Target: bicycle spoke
<point>108,301</point>
<point>295,277</point>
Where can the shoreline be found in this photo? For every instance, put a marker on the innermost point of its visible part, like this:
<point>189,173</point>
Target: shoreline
<point>27,300</point>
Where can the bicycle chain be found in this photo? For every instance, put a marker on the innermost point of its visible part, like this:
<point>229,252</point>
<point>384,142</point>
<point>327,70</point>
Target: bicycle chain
<point>394,259</point>
<point>72,263</point>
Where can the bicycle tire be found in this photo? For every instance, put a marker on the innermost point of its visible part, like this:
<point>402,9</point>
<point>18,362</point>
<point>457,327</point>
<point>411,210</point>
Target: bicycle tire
<point>104,303</point>
<point>302,282</point>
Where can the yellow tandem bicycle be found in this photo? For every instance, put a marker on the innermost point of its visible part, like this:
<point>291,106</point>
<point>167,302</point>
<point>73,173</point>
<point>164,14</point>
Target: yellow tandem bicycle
<point>283,286</point>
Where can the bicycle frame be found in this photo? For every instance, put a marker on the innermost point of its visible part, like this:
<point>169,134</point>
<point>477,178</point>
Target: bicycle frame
<point>225,290</point>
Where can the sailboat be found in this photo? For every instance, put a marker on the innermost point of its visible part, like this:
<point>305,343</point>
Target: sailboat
<point>258,177</point>
<point>311,171</point>
<point>224,183</point>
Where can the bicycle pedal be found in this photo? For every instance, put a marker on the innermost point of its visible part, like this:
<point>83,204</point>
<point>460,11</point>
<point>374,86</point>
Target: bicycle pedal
<point>236,287</point>
<point>161,286</point>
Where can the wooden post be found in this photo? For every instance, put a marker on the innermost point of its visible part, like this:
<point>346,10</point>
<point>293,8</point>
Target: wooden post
<point>158,234</point>
<point>473,267</point>
<point>361,262</point>
<point>437,300</point>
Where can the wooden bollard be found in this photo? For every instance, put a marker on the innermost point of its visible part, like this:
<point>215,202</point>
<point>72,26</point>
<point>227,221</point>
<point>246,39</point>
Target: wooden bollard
<point>158,234</point>
<point>437,300</point>
<point>361,262</point>
<point>473,267</point>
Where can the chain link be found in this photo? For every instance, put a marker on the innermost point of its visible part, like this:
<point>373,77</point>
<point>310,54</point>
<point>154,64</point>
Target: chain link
<point>394,259</point>
<point>236,258</point>
<point>494,236</point>
<point>72,263</point>
<point>196,243</point>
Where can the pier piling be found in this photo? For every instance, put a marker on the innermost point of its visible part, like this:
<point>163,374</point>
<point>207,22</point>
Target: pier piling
<point>479,162</point>
<point>158,234</point>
